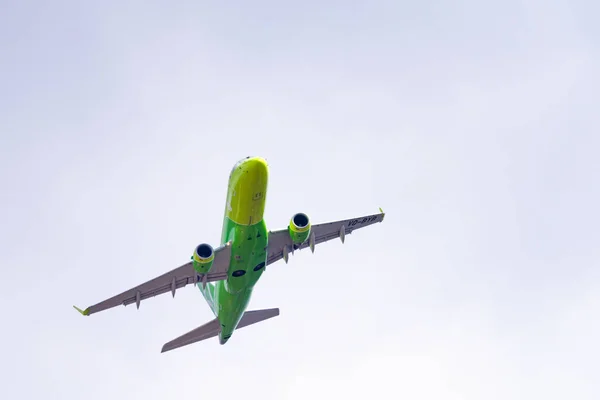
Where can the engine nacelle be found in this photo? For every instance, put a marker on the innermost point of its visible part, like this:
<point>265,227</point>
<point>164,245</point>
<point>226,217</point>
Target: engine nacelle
<point>299,228</point>
<point>203,258</point>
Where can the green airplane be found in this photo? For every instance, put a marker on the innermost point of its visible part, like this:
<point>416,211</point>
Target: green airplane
<point>238,263</point>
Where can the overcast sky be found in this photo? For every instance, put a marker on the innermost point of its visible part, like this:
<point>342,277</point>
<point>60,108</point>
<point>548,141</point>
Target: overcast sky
<point>474,125</point>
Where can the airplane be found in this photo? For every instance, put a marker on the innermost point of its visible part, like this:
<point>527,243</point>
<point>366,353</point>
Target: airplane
<point>246,249</point>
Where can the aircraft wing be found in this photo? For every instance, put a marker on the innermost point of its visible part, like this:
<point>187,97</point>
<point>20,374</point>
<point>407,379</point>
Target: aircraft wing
<point>169,282</point>
<point>280,243</point>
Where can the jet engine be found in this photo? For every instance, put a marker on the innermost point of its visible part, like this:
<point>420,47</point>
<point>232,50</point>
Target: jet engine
<point>299,228</point>
<point>203,258</point>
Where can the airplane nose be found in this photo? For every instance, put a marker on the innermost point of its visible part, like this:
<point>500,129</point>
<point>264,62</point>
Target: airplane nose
<point>247,190</point>
<point>257,165</point>
<point>256,171</point>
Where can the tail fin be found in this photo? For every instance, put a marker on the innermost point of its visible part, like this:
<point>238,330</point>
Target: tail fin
<point>213,328</point>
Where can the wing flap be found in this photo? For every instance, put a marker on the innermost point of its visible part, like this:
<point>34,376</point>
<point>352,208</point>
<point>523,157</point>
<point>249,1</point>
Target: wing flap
<point>179,284</point>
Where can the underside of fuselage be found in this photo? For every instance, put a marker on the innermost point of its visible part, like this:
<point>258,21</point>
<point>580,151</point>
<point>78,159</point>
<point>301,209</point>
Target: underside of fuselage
<point>226,275</point>
<point>245,228</point>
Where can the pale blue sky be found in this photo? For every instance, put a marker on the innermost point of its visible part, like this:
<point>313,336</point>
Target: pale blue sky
<point>474,125</point>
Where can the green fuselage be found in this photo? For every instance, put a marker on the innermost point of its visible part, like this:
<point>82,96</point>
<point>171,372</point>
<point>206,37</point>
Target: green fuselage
<point>245,228</point>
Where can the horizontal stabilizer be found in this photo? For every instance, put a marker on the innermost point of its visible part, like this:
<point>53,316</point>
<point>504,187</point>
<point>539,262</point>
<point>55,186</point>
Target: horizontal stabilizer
<point>213,328</point>
<point>206,331</point>
<point>252,317</point>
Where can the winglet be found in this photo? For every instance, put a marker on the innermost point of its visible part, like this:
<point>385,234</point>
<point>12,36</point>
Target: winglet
<point>381,211</point>
<point>85,312</point>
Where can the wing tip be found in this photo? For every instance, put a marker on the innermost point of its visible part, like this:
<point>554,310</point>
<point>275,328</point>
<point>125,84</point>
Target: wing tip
<point>168,347</point>
<point>383,214</point>
<point>85,312</point>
